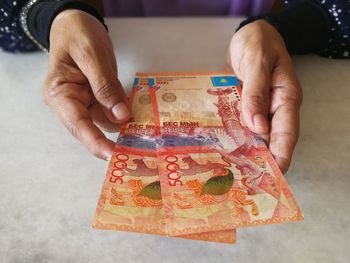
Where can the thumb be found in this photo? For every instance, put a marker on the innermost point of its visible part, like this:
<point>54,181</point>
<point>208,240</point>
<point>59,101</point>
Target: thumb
<point>110,94</point>
<point>97,62</point>
<point>255,99</point>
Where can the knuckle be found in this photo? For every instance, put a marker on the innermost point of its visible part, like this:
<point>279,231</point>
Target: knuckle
<point>290,137</point>
<point>77,128</point>
<point>288,88</point>
<point>296,88</point>
<point>256,100</point>
<point>74,130</point>
<point>292,97</point>
<point>52,88</point>
<point>258,58</point>
<point>106,91</point>
<point>86,49</point>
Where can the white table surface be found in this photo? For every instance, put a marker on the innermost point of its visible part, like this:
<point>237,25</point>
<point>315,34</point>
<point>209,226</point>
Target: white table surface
<point>49,184</point>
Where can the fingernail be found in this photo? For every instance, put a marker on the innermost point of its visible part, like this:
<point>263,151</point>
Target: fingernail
<point>120,111</point>
<point>106,155</point>
<point>260,123</point>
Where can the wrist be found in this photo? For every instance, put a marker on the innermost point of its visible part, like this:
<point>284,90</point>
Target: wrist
<point>263,26</point>
<point>42,14</point>
<point>264,34</point>
<point>81,26</point>
<point>70,18</point>
<point>269,29</point>
<point>67,14</point>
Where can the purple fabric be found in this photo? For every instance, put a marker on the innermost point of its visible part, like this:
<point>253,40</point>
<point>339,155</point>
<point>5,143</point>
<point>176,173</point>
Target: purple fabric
<point>186,7</point>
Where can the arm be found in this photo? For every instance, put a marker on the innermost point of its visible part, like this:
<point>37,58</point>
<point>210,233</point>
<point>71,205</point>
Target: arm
<point>25,25</point>
<point>312,26</point>
<point>271,94</point>
<point>259,54</point>
<point>336,14</point>
<point>81,85</point>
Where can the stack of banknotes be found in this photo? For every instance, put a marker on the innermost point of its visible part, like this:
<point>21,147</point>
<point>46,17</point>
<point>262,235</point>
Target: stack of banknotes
<point>187,166</point>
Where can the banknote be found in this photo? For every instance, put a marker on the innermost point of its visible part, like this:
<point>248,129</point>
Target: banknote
<point>215,174</point>
<point>131,198</point>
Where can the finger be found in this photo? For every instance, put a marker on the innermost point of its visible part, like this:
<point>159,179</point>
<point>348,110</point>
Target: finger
<point>255,98</point>
<point>100,119</point>
<point>286,97</point>
<point>97,62</point>
<point>229,67</point>
<point>284,134</point>
<point>76,118</point>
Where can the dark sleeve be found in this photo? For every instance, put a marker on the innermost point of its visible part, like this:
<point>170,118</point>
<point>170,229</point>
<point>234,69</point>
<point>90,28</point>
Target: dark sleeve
<point>338,12</point>
<point>312,27</point>
<point>12,38</point>
<point>41,16</point>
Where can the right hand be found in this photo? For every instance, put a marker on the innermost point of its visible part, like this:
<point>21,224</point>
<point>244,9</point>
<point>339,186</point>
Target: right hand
<point>271,95</point>
<point>81,84</point>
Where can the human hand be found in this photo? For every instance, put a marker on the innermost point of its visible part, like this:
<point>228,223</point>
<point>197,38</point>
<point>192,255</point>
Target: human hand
<point>81,84</point>
<point>271,94</point>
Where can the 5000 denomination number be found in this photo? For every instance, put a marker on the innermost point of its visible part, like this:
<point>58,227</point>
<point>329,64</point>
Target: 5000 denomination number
<point>172,168</point>
<point>119,165</point>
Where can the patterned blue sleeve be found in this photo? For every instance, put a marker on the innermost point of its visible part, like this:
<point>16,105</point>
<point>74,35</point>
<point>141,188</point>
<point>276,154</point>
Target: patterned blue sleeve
<point>12,38</point>
<point>339,41</point>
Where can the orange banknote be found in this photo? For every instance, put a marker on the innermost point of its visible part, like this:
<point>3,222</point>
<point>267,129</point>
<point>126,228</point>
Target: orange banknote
<point>131,197</point>
<point>214,173</point>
